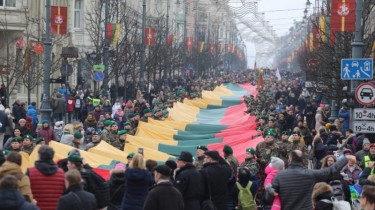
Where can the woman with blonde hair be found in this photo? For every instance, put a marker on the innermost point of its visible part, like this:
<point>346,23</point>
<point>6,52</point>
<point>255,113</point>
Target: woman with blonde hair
<point>137,183</point>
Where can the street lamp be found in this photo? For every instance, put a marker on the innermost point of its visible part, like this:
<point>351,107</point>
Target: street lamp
<point>305,12</point>
<point>308,4</point>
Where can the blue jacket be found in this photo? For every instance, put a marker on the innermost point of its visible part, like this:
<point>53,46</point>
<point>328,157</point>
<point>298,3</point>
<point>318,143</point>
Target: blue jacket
<point>137,184</point>
<point>344,113</point>
<point>31,111</point>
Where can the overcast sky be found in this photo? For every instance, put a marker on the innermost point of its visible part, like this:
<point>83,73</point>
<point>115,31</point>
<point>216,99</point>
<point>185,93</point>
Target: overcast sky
<point>280,14</point>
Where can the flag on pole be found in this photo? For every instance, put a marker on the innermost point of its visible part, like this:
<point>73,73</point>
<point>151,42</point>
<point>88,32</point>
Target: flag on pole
<point>150,36</point>
<point>170,40</point>
<point>278,74</point>
<point>342,17</point>
<point>116,33</point>
<point>59,20</point>
<point>27,61</point>
<point>212,48</point>
<point>189,43</point>
<point>200,46</point>
<point>260,79</point>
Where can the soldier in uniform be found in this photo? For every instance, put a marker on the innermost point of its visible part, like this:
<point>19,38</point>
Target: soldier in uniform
<point>232,161</point>
<point>271,124</point>
<point>27,145</point>
<point>16,144</point>
<point>94,142</point>
<point>114,130</point>
<point>283,146</point>
<point>158,114</point>
<point>297,145</point>
<point>133,121</point>
<point>120,143</point>
<point>128,128</point>
<point>200,157</point>
<point>107,135</point>
<point>129,158</point>
<point>165,114</point>
<point>250,162</point>
<point>266,149</point>
<point>76,143</point>
<point>39,141</point>
<point>146,114</point>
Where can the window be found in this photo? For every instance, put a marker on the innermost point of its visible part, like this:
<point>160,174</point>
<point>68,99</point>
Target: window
<point>8,3</point>
<point>78,14</point>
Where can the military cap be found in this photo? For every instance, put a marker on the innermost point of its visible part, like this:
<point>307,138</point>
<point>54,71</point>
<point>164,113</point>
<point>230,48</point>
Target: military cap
<point>121,132</point>
<point>127,123</point>
<point>227,149</point>
<point>108,122</point>
<point>131,115</point>
<point>204,148</point>
<point>17,139</point>
<point>78,135</point>
<point>28,136</point>
<point>130,155</point>
<point>75,158</point>
<point>269,132</point>
<point>38,140</point>
<point>250,150</point>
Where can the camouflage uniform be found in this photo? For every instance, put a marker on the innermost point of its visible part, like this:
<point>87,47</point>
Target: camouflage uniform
<point>91,145</point>
<point>252,165</point>
<point>296,145</point>
<point>233,162</point>
<point>27,149</point>
<point>283,149</point>
<point>264,151</point>
<point>75,145</point>
<point>108,136</point>
<point>144,119</point>
<point>130,131</point>
<point>119,144</point>
<point>199,163</point>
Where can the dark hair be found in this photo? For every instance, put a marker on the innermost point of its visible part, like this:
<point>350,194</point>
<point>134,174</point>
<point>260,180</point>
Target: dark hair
<point>8,182</point>
<point>151,164</point>
<point>244,175</point>
<point>368,192</point>
<point>295,157</point>
<point>46,153</point>
<point>349,130</point>
<point>73,177</point>
<point>14,157</point>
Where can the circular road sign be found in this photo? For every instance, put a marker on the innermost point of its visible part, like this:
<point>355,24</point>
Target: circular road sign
<point>365,94</point>
<point>98,76</point>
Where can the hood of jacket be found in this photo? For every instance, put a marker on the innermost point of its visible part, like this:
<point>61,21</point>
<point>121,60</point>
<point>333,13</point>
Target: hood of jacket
<point>11,199</point>
<point>31,107</point>
<point>135,174</point>
<point>321,191</point>
<point>9,168</point>
<point>117,176</point>
<point>46,168</point>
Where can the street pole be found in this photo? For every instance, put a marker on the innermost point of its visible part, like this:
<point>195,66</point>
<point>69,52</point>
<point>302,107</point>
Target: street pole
<point>106,49</point>
<point>143,47</point>
<point>166,44</point>
<point>46,107</point>
<point>185,33</point>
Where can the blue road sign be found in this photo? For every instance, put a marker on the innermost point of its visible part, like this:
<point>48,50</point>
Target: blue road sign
<point>357,69</point>
<point>98,76</point>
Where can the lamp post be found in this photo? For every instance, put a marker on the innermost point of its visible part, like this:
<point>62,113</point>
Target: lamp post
<point>106,49</point>
<point>166,43</point>
<point>46,107</point>
<point>143,47</point>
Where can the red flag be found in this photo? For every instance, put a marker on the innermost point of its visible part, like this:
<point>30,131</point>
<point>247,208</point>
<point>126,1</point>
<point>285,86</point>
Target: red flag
<point>149,36</point>
<point>27,62</point>
<point>170,40</point>
<point>189,43</point>
<point>212,48</point>
<point>59,20</point>
<point>342,17</point>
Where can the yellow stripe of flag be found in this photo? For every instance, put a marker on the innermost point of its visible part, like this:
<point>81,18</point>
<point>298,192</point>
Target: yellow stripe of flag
<point>117,31</point>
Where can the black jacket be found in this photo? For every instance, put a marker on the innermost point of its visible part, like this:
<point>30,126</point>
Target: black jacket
<point>76,198</point>
<point>187,181</point>
<point>164,196</point>
<point>13,199</point>
<point>18,112</point>
<point>116,188</point>
<point>321,205</point>
<point>4,121</point>
<point>219,177</point>
<point>295,184</point>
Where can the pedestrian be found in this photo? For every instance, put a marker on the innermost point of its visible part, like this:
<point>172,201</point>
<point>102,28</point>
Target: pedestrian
<point>46,132</point>
<point>271,170</point>
<point>58,107</point>
<point>368,197</point>
<point>294,185</point>
<point>320,192</point>
<point>46,175</point>
<point>369,158</point>
<point>250,163</point>
<point>163,195</point>
<point>17,111</point>
<point>187,181</point>
<point>75,198</point>
<point>4,123</point>
<point>10,197</point>
<point>232,161</point>
<point>31,111</point>
<point>198,163</point>
<point>116,185</point>
<point>137,182</point>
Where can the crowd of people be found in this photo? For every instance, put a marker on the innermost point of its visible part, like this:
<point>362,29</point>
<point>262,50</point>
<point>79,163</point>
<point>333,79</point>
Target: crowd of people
<point>304,162</point>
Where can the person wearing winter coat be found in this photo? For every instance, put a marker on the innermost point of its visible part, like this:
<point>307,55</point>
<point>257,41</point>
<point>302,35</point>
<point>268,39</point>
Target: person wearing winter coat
<point>137,182</point>
<point>75,198</point>
<point>31,111</point>
<point>163,195</point>
<point>4,123</point>
<point>46,132</point>
<point>271,170</point>
<point>344,116</point>
<point>17,111</point>
<point>322,191</point>
<point>10,197</point>
<point>58,106</point>
<point>353,171</point>
<point>116,186</point>
<point>244,177</point>
<point>12,166</point>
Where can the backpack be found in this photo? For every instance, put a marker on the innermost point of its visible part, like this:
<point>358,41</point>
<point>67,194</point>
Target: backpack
<point>338,191</point>
<point>338,205</point>
<point>78,103</point>
<point>245,198</point>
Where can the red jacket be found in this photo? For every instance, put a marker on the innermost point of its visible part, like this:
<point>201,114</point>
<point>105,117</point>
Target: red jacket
<point>47,134</point>
<point>70,104</point>
<point>47,187</point>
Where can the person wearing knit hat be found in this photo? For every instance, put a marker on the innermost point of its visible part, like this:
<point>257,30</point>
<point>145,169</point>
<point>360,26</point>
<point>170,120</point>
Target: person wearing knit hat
<point>171,199</point>
<point>76,143</point>
<point>233,162</point>
<point>200,156</point>
<point>275,165</point>
<point>250,163</point>
<point>47,132</point>
<point>364,152</point>
<point>187,179</point>
<point>96,139</point>
<point>267,148</point>
<point>16,144</point>
<point>27,144</point>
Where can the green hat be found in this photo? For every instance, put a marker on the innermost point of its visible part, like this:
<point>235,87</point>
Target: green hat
<point>158,103</point>
<point>131,115</point>
<point>78,135</point>
<point>269,132</point>
<point>130,155</point>
<point>127,123</point>
<point>227,149</point>
<point>108,122</point>
<point>250,150</point>
<point>17,139</point>
<point>96,133</point>
<point>121,132</point>
<point>165,112</point>
<point>285,133</point>
<point>28,136</point>
<point>146,111</point>
<point>166,103</point>
<point>6,152</point>
<point>264,117</point>
<point>260,128</point>
<point>204,148</point>
<point>38,140</point>
<point>75,158</point>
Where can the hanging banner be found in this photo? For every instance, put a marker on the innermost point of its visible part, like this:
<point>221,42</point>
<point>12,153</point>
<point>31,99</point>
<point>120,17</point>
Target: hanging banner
<point>59,20</point>
<point>342,17</point>
<point>170,40</point>
<point>201,46</point>
<point>149,36</point>
<point>189,43</point>
<point>212,48</point>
